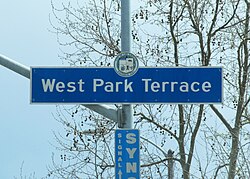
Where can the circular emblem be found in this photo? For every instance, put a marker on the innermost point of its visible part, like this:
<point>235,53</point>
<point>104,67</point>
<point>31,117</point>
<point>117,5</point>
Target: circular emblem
<point>126,64</point>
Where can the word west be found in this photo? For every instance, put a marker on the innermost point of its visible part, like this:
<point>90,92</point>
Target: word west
<point>127,155</point>
<point>149,85</point>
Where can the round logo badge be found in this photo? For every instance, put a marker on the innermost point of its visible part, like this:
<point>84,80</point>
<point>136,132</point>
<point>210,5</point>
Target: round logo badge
<point>126,64</point>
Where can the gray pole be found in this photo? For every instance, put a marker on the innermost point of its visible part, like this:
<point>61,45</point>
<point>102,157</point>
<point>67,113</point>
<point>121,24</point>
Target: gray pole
<point>127,109</point>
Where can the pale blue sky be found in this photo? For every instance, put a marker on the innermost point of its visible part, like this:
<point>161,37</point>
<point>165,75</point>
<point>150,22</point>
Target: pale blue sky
<point>25,129</point>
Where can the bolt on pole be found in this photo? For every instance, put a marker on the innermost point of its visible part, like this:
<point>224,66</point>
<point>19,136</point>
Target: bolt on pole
<point>127,109</point>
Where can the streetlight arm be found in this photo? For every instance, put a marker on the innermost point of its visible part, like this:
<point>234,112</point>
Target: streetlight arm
<point>23,70</point>
<point>14,66</point>
<point>104,110</point>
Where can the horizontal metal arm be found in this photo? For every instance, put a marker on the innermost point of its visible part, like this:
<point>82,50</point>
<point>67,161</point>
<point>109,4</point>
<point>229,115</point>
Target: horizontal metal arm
<point>14,66</point>
<point>104,110</point>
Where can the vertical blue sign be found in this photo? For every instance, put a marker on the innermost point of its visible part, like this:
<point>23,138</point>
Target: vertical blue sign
<point>127,154</point>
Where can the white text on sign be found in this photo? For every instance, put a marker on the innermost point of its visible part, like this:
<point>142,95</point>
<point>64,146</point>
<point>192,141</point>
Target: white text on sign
<point>127,152</point>
<point>52,85</point>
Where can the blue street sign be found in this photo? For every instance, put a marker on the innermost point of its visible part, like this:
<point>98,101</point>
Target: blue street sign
<point>148,85</point>
<point>127,154</point>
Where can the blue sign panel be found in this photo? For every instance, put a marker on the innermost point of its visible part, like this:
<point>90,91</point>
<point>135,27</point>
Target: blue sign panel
<point>148,85</point>
<point>127,154</point>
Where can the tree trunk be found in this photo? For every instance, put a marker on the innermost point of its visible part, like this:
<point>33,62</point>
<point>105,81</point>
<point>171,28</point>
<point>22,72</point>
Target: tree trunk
<point>170,165</point>
<point>234,153</point>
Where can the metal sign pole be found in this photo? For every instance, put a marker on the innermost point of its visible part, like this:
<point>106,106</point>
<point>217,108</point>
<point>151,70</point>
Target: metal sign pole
<point>127,109</point>
<point>127,142</point>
